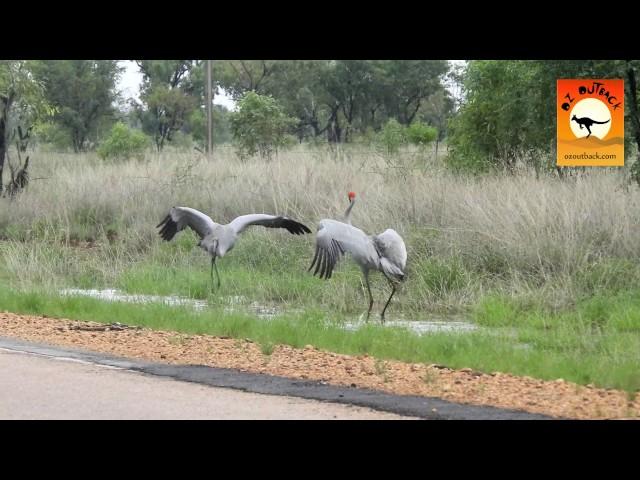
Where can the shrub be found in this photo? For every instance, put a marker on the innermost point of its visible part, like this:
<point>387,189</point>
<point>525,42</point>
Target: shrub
<point>421,134</point>
<point>123,143</point>
<point>392,137</point>
<point>260,125</point>
<point>53,137</point>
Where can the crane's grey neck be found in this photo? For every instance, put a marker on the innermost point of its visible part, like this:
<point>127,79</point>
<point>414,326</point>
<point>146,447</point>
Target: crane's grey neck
<point>347,213</point>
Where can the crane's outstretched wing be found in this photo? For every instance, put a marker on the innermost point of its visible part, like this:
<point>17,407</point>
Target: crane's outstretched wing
<point>181,217</point>
<point>333,240</point>
<point>393,253</point>
<point>269,221</point>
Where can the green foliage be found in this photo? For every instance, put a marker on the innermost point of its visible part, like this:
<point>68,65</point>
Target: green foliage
<point>22,105</point>
<point>23,94</point>
<point>238,77</point>
<point>168,96</point>
<point>197,125</point>
<point>83,93</point>
<point>495,311</point>
<point>608,275</point>
<point>508,113</point>
<point>182,141</point>
<point>123,143</point>
<point>635,169</point>
<point>392,137</point>
<point>464,160</point>
<point>367,137</point>
<point>53,136</point>
<point>342,98</point>
<point>421,134</point>
<point>166,111</point>
<point>407,84</point>
<point>440,276</point>
<point>260,125</point>
<point>437,110</point>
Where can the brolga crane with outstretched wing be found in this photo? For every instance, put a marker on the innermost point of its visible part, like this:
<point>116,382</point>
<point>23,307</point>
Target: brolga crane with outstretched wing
<point>216,239</point>
<point>385,252</point>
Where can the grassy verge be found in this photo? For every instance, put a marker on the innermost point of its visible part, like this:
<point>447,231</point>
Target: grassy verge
<point>598,343</point>
<point>544,264</point>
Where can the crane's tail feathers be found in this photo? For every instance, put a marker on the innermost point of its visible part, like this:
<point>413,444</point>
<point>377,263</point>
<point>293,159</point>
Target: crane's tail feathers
<point>169,228</point>
<point>391,271</point>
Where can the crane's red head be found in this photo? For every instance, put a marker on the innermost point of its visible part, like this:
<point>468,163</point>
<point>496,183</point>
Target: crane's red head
<point>351,196</point>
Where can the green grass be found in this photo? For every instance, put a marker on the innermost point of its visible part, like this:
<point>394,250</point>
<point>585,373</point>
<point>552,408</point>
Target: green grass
<point>598,343</point>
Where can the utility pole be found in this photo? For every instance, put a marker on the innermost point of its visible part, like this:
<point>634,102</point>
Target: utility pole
<point>209,105</point>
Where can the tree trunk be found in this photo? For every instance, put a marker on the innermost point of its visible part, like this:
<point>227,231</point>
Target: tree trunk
<point>4,107</point>
<point>316,128</point>
<point>633,105</point>
<point>334,132</point>
<point>411,116</point>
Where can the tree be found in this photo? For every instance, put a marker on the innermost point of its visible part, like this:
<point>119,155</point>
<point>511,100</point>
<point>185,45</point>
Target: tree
<point>337,97</point>
<point>348,82</point>
<point>631,68</point>
<point>22,105</point>
<point>196,125</point>
<point>239,77</point>
<point>437,109</point>
<point>259,125</point>
<point>509,109</point>
<point>408,83</point>
<point>168,96</point>
<point>83,92</point>
<point>298,87</point>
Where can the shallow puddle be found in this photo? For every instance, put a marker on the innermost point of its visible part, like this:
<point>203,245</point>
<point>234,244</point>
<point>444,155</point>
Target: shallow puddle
<point>240,303</point>
<point>419,326</point>
<point>112,295</point>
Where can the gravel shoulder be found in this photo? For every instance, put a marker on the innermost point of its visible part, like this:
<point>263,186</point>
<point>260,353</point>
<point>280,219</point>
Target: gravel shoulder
<point>39,387</point>
<point>557,398</point>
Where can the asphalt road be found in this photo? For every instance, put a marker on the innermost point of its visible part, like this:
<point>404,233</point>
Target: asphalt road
<point>39,380</point>
<point>39,387</point>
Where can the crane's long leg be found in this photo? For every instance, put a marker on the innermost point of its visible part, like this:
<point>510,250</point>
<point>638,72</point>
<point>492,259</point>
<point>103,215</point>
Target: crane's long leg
<point>213,265</point>
<point>393,290</point>
<point>366,278</point>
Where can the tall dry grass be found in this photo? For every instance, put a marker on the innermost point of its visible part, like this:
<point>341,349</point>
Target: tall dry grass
<point>464,235</point>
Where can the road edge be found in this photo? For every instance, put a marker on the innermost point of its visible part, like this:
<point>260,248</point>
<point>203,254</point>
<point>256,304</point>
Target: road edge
<point>430,408</point>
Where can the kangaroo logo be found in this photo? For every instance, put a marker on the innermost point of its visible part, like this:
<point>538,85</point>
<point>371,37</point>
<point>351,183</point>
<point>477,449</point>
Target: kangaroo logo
<point>590,119</point>
<point>590,122</point>
<point>587,122</point>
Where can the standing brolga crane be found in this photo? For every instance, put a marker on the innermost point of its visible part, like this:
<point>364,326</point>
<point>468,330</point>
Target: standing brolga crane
<point>385,252</point>
<point>216,239</point>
